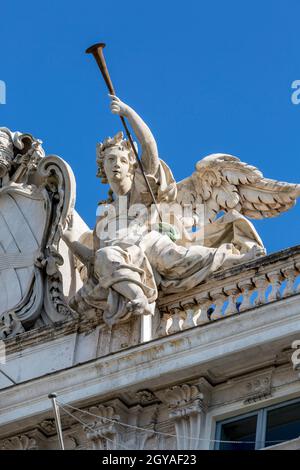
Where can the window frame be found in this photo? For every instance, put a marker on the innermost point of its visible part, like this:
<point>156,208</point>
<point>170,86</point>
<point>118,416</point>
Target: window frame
<point>261,423</point>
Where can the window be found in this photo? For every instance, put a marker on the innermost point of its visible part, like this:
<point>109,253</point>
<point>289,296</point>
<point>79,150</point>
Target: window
<point>262,428</point>
<point>243,430</point>
<point>283,423</point>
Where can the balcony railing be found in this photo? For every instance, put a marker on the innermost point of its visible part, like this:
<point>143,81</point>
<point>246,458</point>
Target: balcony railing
<point>232,292</point>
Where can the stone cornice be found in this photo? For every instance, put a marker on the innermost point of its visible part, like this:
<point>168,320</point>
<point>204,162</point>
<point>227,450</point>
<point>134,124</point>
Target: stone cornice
<point>151,365</point>
<point>49,333</point>
<point>224,284</point>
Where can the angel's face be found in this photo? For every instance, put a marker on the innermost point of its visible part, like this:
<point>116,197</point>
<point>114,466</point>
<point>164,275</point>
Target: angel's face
<point>116,164</point>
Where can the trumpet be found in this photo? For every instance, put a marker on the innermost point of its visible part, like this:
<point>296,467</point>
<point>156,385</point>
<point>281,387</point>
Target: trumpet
<point>97,51</point>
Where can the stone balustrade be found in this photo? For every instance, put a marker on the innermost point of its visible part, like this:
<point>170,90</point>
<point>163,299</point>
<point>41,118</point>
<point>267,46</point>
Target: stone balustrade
<point>137,394</point>
<point>232,292</point>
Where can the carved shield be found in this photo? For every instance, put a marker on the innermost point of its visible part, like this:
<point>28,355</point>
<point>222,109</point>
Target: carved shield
<point>37,197</point>
<point>23,226</point>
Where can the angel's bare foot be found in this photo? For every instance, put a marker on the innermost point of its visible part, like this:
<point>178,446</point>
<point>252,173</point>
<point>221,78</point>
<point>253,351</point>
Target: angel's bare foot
<point>139,306</point>
<point>255,252</point>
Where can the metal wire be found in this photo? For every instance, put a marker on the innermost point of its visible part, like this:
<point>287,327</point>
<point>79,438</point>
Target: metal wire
<point>89,427</point>
<point>167,434</point>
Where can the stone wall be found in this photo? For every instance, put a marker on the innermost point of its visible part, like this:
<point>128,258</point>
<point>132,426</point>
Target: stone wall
<point>219,351</point>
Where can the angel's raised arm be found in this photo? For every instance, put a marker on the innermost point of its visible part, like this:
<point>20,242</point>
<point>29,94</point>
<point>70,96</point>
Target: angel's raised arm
<point>149,155</point>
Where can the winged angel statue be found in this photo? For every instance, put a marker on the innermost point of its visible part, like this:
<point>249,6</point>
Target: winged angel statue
<point>128,265</point>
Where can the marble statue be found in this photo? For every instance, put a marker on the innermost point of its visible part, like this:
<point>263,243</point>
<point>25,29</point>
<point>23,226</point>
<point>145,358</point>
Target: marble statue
<point>124,270</point>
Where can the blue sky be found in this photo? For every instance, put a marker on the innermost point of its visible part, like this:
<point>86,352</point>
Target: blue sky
<point>207,76</point>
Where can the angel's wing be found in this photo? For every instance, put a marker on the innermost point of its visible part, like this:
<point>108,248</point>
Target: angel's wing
<point>222,182</point>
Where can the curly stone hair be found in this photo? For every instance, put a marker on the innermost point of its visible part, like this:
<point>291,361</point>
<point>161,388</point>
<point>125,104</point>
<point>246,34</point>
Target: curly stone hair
<point>119,142</point>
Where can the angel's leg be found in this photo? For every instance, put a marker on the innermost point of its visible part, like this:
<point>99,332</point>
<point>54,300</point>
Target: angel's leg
<point>113,271</point>
<point>185,267</point>
<point>138,302</point>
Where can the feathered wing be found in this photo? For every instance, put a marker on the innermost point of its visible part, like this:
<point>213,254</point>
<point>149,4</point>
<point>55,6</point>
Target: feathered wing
<point>222,182</point>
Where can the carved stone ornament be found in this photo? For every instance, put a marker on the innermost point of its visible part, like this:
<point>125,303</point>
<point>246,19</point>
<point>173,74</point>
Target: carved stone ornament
<point>102,431</point>
<point>48,427</point>
<point>259,387</point>
<point>145,397</point>
<point>187,404</point>
<point>36,198</point>
<point>10,325</point>
<point>22,442</point>
<point>183,400</point>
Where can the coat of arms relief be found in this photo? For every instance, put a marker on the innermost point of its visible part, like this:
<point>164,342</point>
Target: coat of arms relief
<point>37,195</point>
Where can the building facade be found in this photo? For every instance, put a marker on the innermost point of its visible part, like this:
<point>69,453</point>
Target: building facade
<point>214,368</point>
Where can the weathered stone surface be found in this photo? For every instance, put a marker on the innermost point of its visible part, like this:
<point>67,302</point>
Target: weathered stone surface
<point>131,257</point>
<point>37,196</point>
<point>149,339</point>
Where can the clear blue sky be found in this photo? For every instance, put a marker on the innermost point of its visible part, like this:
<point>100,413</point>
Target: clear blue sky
<point>207,76</point>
